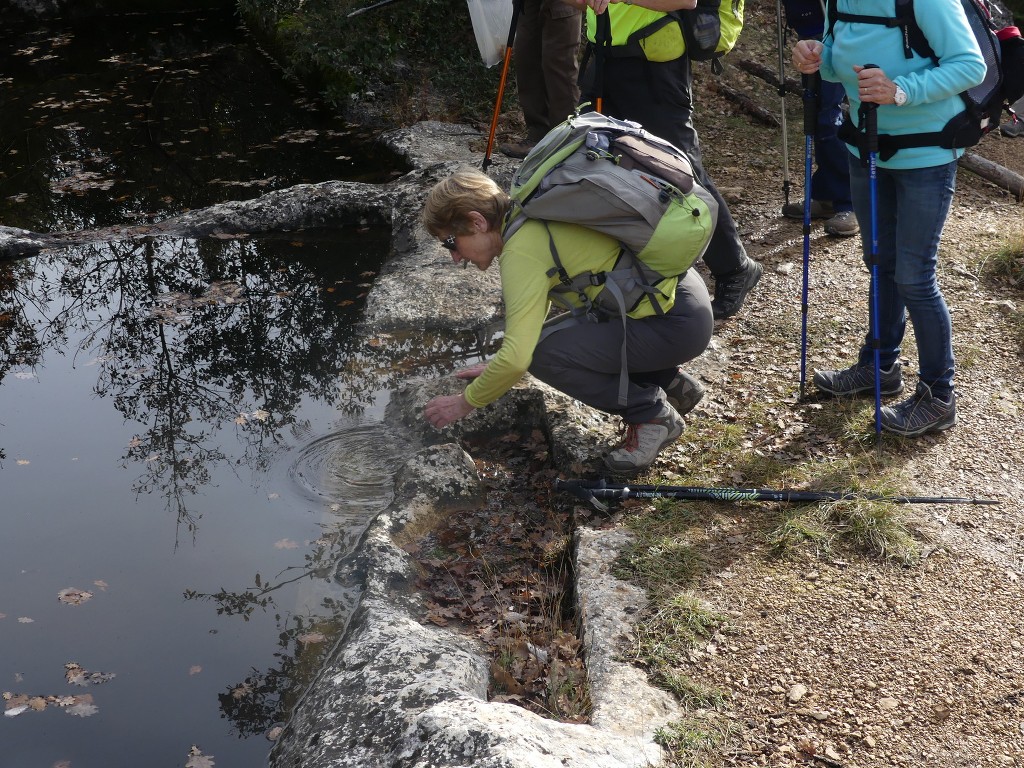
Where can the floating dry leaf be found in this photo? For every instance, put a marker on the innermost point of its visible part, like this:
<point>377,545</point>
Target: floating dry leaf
<point>73,596</point>
<point>311,637</point>
<point>82,710</point>
<point>25,620</point>
<point>196,759</point>
<point>101,584</point>
<point>285,544</point>
<point>77,675</point>
<point>195,669</point>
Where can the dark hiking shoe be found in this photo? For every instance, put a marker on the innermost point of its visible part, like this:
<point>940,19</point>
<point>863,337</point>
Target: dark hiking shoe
<point>516,149</point>
<point>859,380</point>
<point>731,290</point>
<point>819,210</point>
<point>843,224</point>
<point>643,442</point>
<point>1014,128</point>
<point>920,413</point>
<point>684,392</point>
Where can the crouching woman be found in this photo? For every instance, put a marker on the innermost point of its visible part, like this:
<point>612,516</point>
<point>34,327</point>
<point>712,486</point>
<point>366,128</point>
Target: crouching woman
<point>466,212</point>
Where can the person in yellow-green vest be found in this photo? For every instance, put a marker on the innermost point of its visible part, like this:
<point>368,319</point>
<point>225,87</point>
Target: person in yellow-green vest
<point>645,76</point>
<point>465,213</point>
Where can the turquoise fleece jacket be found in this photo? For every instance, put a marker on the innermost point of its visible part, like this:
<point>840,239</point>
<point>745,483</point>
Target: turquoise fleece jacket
<point>932,91</point>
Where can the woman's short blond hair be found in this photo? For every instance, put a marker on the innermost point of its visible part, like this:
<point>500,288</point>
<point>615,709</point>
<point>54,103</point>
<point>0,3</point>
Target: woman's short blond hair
<point>446,210</point>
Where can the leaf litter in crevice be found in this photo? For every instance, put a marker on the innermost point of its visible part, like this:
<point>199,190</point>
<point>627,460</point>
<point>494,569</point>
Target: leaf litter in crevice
<point>502,572</point>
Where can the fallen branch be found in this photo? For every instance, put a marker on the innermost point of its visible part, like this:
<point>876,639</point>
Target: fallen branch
<point>772,78</point>
<point>997,174</point>
<point>748,104</point>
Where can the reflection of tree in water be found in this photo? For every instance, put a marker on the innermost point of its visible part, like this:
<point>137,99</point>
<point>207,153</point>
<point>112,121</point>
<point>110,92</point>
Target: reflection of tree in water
<point>186,360</point>
<point>198,337</point>
<point>262,699</point>
<point>19,347</point>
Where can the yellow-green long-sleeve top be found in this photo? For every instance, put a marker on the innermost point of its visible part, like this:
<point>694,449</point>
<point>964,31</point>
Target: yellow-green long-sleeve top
<point>524,263</point>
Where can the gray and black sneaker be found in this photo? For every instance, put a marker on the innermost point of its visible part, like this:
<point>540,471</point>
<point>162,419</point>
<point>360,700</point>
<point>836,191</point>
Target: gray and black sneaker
<point>859,380</point>
<point>684,392</point>
<point>731,290</point>
<point>920,413</point>
<point>642,443</point>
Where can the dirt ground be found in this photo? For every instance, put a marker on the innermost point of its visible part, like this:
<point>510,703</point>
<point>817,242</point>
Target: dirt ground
<point>858,663</point>
<point>855,662</point>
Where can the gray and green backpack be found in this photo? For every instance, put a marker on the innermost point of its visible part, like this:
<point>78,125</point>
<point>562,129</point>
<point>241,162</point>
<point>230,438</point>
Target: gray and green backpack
<point>614,177</point>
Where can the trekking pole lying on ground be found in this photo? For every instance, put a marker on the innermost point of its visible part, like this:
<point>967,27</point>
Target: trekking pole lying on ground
<point>812,103</point>
<point>782,98</point>
<point>517,6</point>
<point>592,490</point>
<point>869,119</point>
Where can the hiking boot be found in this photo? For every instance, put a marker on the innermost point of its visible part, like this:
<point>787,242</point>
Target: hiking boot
<point>1013,129</point>
<point>643,442</point>
<point>843,224</point>
<point>819,210</point>
<point>920,413</point>
<point>731,290</point>
<point>859,380</point>
<point>516,149</point>
<point>684,392</point>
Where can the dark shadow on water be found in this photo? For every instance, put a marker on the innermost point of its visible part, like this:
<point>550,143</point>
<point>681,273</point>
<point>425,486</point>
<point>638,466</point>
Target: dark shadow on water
<point>119,120</point>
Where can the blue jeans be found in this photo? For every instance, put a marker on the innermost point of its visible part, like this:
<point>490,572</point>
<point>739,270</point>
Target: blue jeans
<point>912,206</point>
<point>830,181</point>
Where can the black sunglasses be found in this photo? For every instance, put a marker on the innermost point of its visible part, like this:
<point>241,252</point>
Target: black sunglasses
<point>449,243</point>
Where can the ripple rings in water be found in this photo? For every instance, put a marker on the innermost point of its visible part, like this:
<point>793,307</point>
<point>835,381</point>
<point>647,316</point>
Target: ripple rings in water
<point>353,468</point>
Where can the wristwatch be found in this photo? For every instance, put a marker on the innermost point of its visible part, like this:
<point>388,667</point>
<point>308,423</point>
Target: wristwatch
<point>900,97</point>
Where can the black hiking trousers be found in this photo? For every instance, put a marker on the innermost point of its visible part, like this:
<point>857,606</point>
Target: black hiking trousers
<point>658,95</point>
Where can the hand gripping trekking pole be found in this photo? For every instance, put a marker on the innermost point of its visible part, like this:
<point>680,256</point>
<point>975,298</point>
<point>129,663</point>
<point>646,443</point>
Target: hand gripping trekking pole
<point>517,7</point>
<point>868,114</point>
<point>590,491</point>
<point>812,105</point>
<point>782,98</point>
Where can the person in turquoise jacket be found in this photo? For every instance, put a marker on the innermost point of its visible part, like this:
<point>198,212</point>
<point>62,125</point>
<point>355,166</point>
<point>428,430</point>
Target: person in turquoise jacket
<point>913,188</point>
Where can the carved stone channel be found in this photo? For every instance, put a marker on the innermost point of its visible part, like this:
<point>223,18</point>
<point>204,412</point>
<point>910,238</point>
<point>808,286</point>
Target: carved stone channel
<point>394,691</point>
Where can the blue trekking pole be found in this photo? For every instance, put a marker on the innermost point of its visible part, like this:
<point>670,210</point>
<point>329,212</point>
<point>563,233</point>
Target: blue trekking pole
<point>868,114</point>
<point>812,100</point>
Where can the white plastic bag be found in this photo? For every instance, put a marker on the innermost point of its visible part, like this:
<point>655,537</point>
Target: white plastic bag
<point>491,20</point>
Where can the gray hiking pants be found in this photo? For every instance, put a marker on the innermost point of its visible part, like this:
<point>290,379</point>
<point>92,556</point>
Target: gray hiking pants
<point>584,360</point>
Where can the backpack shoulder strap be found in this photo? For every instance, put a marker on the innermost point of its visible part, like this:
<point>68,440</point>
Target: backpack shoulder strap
<point>913,37</point>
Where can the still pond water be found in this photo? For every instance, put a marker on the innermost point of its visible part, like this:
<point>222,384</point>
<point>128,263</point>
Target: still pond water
<point>189,430</point>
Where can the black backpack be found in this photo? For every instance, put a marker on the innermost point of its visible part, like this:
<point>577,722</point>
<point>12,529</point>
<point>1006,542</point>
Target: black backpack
<point>983,104</point>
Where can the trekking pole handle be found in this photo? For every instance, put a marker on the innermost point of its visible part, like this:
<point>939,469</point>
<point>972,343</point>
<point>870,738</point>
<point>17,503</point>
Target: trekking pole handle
<point>812,101</point>
<point>871,120</point>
